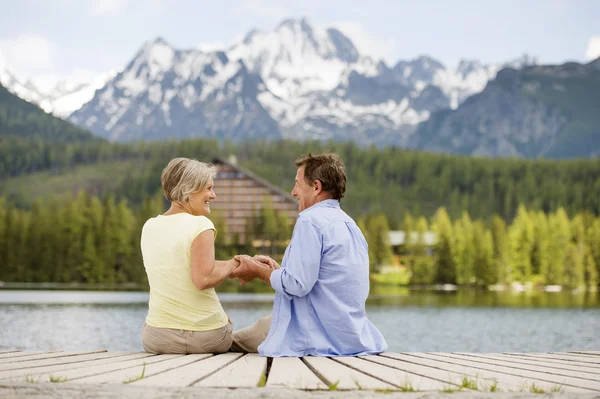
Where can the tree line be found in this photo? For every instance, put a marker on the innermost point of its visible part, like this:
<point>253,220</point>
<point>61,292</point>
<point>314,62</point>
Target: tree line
<point>96,240</point>
<point>389,181</point>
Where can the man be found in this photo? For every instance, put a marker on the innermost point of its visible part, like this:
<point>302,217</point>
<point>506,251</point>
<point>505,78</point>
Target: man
<point>323,282</point>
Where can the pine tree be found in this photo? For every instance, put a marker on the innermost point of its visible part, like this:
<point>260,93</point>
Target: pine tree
<point>444,265</point>
<point>521,234</point>
<point>422,263</point>
<point>501,250</point>
<point>560,237</point>
<point>463,250</point>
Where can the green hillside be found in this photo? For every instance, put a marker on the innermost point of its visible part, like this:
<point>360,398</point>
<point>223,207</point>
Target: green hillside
<point>22,119</point>
<point>389,181</point>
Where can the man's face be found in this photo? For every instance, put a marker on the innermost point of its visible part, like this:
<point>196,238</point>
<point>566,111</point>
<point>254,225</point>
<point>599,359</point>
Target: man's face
<point>304,192</point>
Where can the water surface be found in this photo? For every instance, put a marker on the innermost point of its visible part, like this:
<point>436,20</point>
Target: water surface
<point>409,320</point>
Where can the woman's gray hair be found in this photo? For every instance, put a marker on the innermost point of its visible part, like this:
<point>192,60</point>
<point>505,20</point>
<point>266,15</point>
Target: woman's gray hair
<point>183,176</point>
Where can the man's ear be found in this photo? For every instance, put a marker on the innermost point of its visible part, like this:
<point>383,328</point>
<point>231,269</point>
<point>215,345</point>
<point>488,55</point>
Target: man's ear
<point>317,187</point>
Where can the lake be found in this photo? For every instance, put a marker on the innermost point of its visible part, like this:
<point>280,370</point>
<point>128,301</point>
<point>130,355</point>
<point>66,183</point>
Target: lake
<point>470,321</point>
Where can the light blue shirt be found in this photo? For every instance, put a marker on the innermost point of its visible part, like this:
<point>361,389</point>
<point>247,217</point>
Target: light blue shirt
<point>321,289</point>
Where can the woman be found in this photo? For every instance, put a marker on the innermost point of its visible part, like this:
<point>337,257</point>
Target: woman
<point>185,314</point>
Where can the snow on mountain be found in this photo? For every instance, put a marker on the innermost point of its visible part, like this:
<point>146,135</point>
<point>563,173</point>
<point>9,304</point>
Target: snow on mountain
<point>296,58</point>
<point>18,85</point>
<point>67,96</point>
<point>165,92</point>
<point>298,81</point>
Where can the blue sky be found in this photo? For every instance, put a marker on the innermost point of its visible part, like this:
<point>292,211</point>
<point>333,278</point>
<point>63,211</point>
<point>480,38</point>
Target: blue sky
<point>57,38</point>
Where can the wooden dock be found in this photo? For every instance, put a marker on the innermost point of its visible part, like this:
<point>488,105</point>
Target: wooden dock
<point>406,372</point>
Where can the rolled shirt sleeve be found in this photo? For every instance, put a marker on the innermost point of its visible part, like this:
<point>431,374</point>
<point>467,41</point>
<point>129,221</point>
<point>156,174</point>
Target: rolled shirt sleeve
<point>300,270</point>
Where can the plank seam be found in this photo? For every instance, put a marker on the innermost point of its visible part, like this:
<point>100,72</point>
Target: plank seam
<point>515,366</point>
<point>504,372</point>
<point>409,372</point>
<point>128,367</point>
<point>215,371</point>
<point>36,372</point>
<point>532,362</point>
<point>315,372</point>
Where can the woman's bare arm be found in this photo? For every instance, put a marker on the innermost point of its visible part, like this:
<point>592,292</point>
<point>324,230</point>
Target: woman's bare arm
<point>206,271</point>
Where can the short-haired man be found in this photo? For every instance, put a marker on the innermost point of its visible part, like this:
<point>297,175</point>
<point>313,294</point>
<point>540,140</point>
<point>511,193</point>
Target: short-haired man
<point>323,282</point>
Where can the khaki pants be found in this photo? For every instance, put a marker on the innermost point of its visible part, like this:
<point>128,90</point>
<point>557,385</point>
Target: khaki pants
<point>221,340</point>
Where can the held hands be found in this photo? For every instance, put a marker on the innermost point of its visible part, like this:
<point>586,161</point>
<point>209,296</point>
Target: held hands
<point>248,267</point>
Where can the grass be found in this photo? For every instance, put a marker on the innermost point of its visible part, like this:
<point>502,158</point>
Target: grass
<point>535,389</point>
<point>450,389</point>
<point>494,387</point>
<point>407,387</point>
<point>469,383</point>
<point>263,381</point>
<point>31,380</point>
<point>556,388</point>
<point>333,386</point>
<point>139,377</point>
<point>57,379</point>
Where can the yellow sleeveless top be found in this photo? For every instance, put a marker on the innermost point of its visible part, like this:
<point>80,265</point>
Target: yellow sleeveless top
<point>175,302</point>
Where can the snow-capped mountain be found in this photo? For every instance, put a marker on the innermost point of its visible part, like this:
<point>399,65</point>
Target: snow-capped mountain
<point>61,100</point>
<point>298,81</point>
<point>164,92</point>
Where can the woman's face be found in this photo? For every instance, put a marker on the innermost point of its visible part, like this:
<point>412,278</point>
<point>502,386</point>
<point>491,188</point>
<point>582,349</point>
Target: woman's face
<point>200,200</point>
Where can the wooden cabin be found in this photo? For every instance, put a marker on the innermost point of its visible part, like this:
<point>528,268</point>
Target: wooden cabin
<point>241,194</point>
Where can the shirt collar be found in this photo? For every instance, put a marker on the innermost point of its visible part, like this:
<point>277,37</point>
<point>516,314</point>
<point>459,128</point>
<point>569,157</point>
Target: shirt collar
<point>328,203</point>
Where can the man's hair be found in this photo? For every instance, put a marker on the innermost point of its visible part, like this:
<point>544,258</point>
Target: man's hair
<point>328,168</point>
<point>183,176</point>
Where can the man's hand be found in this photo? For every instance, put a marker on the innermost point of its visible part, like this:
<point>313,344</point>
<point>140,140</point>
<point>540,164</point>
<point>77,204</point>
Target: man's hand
<point>267,261</point>
<point>249,269</point>
<point>246,271</point>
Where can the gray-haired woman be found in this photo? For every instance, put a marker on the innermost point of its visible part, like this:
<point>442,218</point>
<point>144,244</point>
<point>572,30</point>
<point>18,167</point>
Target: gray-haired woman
<point>185,314</point>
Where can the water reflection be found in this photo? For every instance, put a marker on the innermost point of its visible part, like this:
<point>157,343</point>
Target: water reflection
<point>402,296</point>
<point>471,321</point>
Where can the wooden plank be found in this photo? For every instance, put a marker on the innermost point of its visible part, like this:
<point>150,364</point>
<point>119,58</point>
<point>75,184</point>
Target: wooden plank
<point>386,370</point>
<point>41,356</point>
<point>559,362</point>
<point>290,372</point>
<point>595,353</point>
<point>245,372</point>
<point>583,356</point>
<point>570,358</point>
<point>190,373</point>
<point>68,358</point>
<point>497,382</point>
<point>532,375</point>
<point>11,351</point>
<point>7,357</point>
<point>536,367</point>
<point>109,358</point>
<point>156,365</point>
<point>344,378</point>
<point>95,369</point>
<point>536,362</point>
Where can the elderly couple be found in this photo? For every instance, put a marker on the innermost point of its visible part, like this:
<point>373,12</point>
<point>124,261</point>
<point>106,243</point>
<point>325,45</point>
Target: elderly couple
<point>321,286</point>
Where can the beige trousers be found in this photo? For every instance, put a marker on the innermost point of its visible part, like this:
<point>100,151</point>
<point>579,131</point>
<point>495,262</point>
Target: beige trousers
<point>221,340</point>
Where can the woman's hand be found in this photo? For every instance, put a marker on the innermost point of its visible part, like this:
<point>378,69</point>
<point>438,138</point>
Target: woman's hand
<point>268,261</point>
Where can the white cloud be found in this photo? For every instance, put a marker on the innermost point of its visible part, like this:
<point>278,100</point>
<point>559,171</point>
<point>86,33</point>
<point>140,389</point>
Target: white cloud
<point>27,54</point>
<point>262,9</point>
<point>366,43</point>
<point>593,48</point>
<point>107,7</point>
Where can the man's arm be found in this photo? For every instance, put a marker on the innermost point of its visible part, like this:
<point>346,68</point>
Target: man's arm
<point>302,263</point>
<point>206,271</point>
